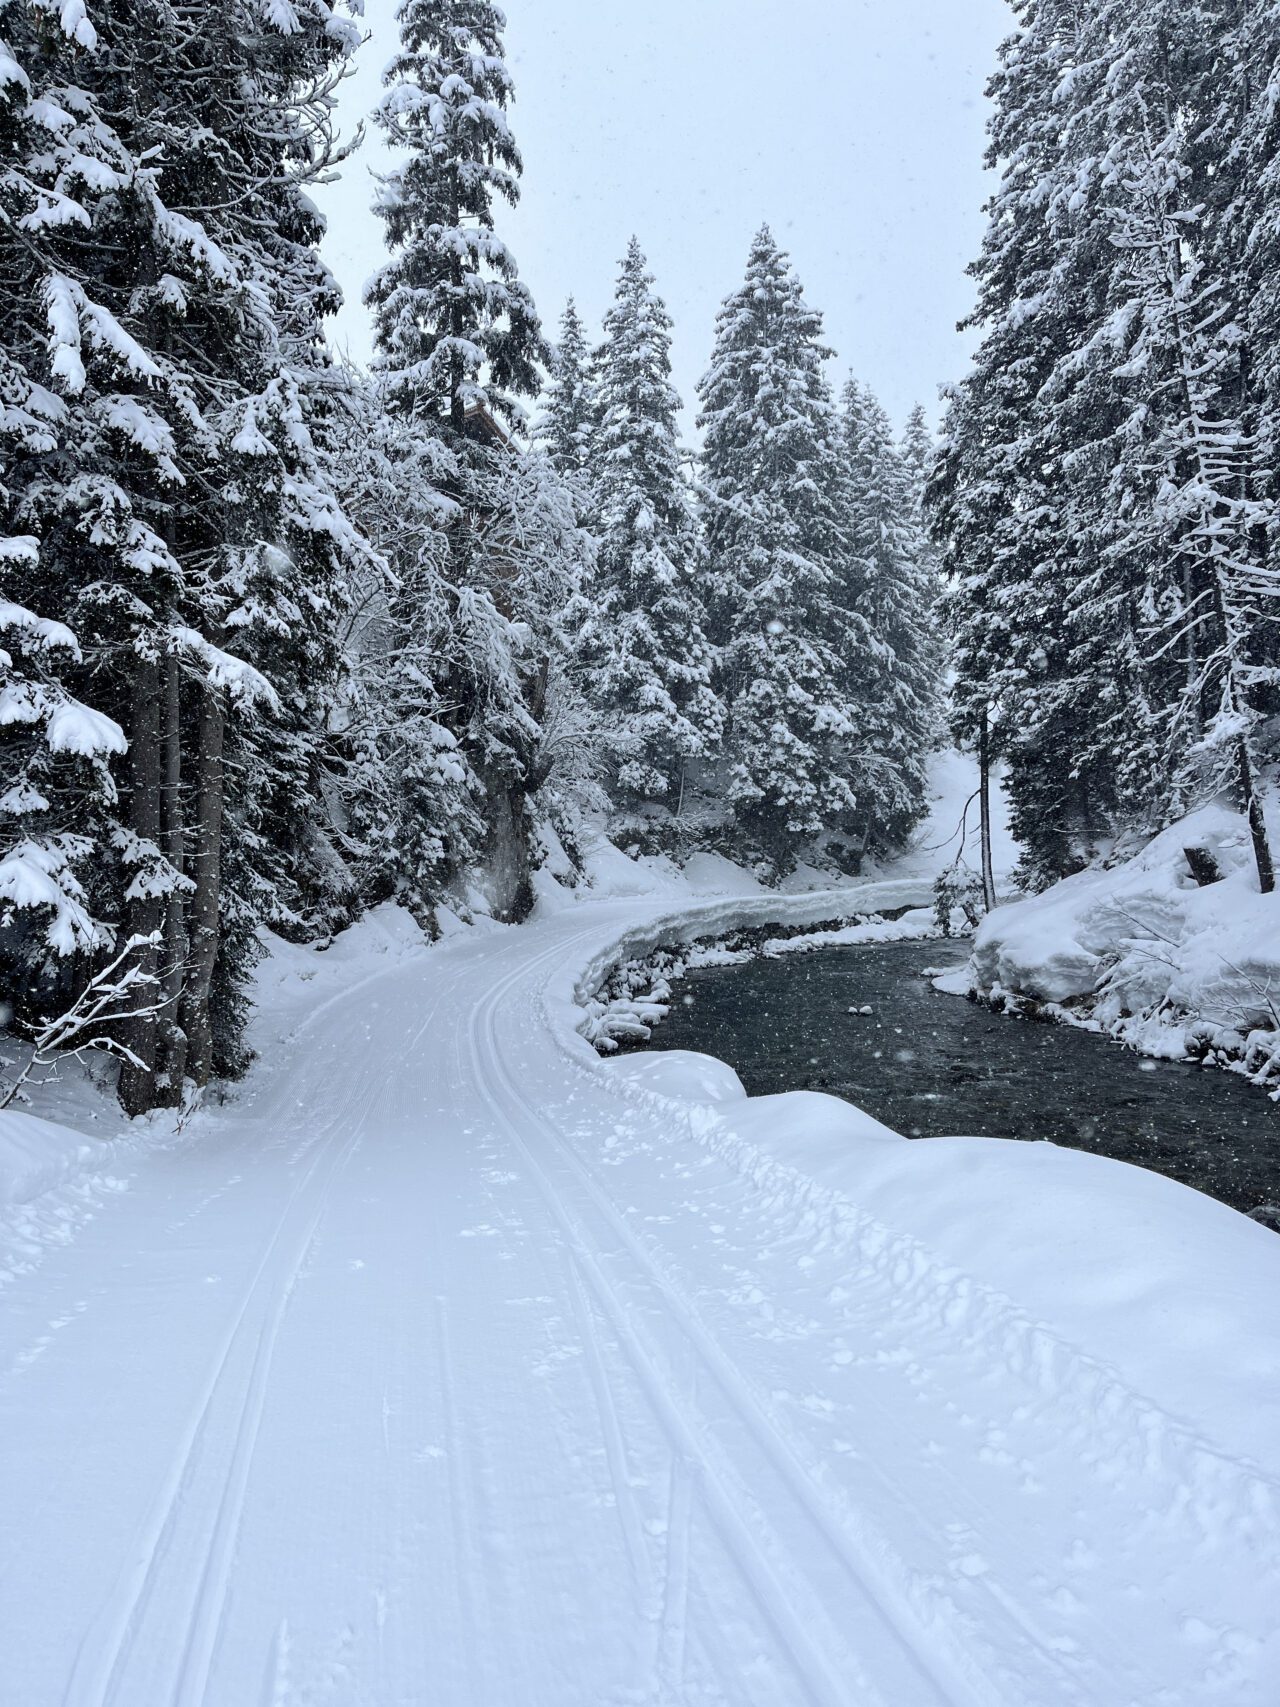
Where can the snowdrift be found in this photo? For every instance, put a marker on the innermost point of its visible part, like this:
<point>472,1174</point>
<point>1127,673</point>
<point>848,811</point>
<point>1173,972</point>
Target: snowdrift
<point>1145,953</point>
<point>37,1155</point>
<point>1135,1301</point>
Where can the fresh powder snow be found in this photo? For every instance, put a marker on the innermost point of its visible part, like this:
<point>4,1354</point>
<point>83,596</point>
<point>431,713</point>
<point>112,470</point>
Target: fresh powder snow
<point>449,1364</point>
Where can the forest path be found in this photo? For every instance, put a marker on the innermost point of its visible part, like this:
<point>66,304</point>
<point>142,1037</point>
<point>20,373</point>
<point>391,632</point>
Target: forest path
<point>441,1373</point>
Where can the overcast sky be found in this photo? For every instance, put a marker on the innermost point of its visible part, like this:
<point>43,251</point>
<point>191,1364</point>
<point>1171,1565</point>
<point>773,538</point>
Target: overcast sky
<point>855,127</point>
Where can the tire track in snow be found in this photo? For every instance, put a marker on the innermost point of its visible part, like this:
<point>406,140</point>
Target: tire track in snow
<point>825,1678</point>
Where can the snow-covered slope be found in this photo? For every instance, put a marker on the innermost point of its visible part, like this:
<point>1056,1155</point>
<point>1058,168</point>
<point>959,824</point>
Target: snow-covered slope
<point>453,1365</point>
<point>1143,952</point>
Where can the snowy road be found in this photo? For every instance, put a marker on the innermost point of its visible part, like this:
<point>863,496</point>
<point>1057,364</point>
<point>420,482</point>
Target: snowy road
<point>446,1371</point>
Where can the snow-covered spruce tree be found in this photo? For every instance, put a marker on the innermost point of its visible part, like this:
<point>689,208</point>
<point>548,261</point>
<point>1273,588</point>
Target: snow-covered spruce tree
<point>566,425</point>
<point>57,795</point>
<point>1246,247</point>
<point>896,681</point>
<point>458,335</point>
<point>409,805</point>
<point>917,448</point>
<point>1150,399</point>
<point>263,542</point>
<point>647,662</point>
<point>1004,482</point>
<point>96,255</point>
<point>458,346</point>
<point>180,301</point>
<point>778,569</point>
<point>1193,482</point>
<point>1115,296</point>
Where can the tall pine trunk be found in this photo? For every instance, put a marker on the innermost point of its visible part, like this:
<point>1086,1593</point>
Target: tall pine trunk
<point>173,1039</point>
<point>206,870</point>
<point>144,913</point>
<point>984,809</point>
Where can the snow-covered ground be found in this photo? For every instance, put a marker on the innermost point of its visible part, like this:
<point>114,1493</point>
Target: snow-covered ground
<point>449,1364</point>
<point>1145,953</point>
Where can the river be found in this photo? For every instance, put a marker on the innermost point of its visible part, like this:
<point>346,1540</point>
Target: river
<point>929,1064</point>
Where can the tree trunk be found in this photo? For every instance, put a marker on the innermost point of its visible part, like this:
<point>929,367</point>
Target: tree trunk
<point>511,885</point>
<point>206,862</point>
<point>144,914</point>
<point>1257,821</point>
<point>173,1039</point>
<point>984,807</point>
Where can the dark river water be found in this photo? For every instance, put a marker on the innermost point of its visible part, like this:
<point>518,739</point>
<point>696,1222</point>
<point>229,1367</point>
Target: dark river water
<point>928,1064</point>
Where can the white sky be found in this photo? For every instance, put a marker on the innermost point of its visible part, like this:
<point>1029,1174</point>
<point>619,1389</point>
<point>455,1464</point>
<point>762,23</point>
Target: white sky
<point>855,127</point>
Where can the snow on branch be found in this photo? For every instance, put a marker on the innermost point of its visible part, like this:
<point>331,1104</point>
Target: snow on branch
<point>109,998</point>
<point>245,685</point>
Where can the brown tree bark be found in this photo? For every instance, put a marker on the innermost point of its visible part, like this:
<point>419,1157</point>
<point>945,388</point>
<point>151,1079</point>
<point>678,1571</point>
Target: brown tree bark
<point>144,914</point>
<point>206,871</point>
<point>173,1039</point>
<point>984,809</point>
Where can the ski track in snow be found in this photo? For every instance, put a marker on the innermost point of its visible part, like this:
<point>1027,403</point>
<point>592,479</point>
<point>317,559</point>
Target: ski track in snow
<point>447,1368</point>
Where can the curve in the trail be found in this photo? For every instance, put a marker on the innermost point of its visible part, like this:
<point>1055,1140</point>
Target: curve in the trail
<point>445,1367</point>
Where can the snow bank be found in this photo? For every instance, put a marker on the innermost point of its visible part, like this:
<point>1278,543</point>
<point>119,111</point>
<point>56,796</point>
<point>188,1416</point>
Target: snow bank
<point>1145,953</point>
<point>1142,1301</point>
<point>916,924</point>
<point>52,1180</point>
<point>37,1155</point>
<point>628,1013</point>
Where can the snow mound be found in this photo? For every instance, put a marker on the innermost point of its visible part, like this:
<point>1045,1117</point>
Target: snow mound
<point>37,1155</point>
<point>1128,1297</point>
<point>1143,951</point>
<point>682,1074</point>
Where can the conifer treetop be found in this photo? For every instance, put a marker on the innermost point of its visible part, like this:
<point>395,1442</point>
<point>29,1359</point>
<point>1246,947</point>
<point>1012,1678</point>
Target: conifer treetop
<point>455,329</point>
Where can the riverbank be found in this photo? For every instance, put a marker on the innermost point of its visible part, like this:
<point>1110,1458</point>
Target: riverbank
<point>866,1025</point>
<point>1173,952</point>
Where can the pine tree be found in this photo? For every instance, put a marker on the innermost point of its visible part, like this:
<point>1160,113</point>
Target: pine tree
<point>647,659</point>
<point>897,679</point>
<point>1187,519</point>
<point>777,566</point>
<point>456,331</point>
<point>180,506</point>
<point>1004,479</point>
<point>1112,422</point>
<point>565,427</point>
<point>458,346</point>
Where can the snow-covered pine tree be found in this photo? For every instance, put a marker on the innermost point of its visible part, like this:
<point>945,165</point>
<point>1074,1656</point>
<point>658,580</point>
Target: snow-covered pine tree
<point>409,804</point>
<point>777,567</point>
<point>1149,399</point>
<point>1245,137</point>
<point>916,447</point>
<point>57,794</point>
<point>458,336</point>
<point>459,346</point>
<point>101,258</point>
<point>170,305</point>
<point>264,545</point>
<point>648,664</point>
<point>566,424</point>
<point>1004,479</point>
<point>1112,421</point>
<point>896,681</point>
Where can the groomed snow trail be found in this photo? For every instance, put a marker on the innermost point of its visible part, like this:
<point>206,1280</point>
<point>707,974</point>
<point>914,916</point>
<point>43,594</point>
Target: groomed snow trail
<point>443,1371</point>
